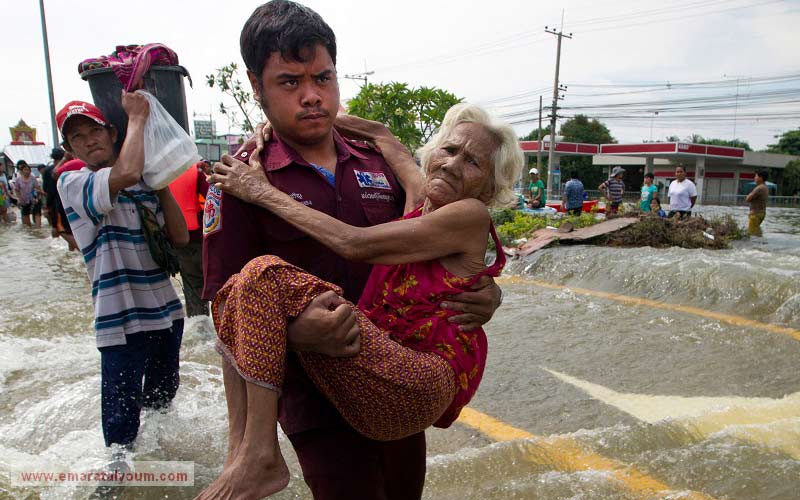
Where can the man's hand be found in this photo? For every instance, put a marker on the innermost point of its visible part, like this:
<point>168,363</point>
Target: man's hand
<point>477,307</point>
<point>136,106</point>
<point>327,326</point>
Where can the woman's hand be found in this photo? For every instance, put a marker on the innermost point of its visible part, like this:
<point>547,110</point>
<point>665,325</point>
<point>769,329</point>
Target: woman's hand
<point>246,182</point>
<point>359,128</point>
<point>263,129</point>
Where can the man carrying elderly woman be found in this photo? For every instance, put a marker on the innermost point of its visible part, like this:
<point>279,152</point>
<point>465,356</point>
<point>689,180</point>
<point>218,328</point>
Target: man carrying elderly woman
<point>414,368</point>
<point>290,55</point>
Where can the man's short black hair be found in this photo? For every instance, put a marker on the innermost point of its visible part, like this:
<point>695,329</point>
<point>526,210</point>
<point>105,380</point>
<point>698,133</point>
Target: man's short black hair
<point>285,27</point>
<point>764,174</point>
<point>56,154</point>
<point>648,174</point>
<point>574,175</point>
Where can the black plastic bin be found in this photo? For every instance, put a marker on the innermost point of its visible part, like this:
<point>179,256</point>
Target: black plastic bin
<point>164,82</point>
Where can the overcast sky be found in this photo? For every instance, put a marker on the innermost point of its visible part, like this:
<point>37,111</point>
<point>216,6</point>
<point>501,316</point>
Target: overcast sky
<point>485,52</point>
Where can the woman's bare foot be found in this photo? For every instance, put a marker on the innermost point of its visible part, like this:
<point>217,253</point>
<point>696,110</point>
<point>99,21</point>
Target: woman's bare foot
<point>249,478</point>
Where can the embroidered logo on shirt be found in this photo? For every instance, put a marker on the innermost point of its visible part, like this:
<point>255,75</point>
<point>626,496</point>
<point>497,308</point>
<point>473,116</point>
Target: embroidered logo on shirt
<point>375,180</point>
<point>299,197</point>
<point>212,215</point>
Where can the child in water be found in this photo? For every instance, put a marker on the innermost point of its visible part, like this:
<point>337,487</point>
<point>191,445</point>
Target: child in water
<point>655,207</point>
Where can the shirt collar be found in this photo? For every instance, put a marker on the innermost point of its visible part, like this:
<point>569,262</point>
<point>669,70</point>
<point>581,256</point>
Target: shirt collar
<point>281,155</point>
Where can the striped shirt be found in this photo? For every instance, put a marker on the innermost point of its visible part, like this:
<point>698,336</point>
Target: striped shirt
<point>615,188</point>
<point>131,294</point>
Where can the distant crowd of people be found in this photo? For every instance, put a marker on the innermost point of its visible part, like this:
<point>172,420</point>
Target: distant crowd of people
<point>682,194</point>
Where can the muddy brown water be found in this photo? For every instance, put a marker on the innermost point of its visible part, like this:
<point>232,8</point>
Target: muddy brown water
<point>701,405</point>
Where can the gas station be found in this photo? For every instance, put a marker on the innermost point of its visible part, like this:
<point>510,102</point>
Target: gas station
<point>718,171</point>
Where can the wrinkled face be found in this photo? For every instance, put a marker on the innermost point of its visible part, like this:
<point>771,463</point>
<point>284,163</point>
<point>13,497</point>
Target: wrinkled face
<point>680,173</point>
<point>300,99</point>
<point>462,166</point>
<point>89,141</point>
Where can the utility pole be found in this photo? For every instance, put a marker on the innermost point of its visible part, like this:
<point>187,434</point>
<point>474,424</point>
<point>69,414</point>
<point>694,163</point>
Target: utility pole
<point>539,142</point>
<point>554,111</point>
<point>49,75</point>
<point>736,105</point>
<point>360,76</point>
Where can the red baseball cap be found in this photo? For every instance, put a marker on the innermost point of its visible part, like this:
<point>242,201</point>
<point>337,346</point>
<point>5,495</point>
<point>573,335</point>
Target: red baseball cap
<point>74,108</point>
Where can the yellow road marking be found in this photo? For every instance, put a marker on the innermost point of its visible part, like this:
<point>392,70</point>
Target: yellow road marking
<point>565,454</point>
<point>731,319</point>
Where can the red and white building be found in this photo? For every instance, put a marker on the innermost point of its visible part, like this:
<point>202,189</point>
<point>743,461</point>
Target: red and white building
<point>718,171</point>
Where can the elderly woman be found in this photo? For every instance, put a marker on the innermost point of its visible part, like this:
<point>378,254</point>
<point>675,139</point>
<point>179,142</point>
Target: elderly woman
<point>414,368</point>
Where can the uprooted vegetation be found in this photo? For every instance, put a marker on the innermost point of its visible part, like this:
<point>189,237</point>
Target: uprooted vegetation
<point>513,227</point>
<point>691,232</point>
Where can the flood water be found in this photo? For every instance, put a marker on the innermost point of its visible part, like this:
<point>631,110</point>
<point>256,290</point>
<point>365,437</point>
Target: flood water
<point>611,397</point>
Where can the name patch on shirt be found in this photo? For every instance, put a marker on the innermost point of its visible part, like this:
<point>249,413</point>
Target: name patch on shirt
<point>212,215</point>
<point>374,180</point>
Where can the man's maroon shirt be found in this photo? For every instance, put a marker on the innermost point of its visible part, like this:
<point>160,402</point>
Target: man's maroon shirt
<point>366,193</point>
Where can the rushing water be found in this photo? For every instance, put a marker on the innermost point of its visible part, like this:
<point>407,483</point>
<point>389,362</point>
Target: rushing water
<point>697,403</point>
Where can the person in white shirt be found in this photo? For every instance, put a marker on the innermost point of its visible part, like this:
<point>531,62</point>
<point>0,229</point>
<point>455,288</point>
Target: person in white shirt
<point>682,195</point>
<point>138,316</point>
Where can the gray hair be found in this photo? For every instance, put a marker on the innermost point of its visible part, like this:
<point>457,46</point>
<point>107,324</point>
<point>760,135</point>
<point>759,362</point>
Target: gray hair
<point>507,159</point>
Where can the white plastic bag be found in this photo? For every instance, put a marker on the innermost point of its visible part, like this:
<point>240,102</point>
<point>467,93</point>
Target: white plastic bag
<point>168,149</point>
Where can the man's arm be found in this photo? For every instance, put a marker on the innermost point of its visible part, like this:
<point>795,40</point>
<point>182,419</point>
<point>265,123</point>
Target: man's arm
<point>127,170</point>
<point>751,195</point>
<point>174,223</point>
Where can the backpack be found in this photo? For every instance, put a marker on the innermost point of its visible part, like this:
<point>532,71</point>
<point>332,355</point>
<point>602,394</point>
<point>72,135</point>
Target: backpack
<point>157,241</point>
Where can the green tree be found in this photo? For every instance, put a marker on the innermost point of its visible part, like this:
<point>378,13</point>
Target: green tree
<point>790,183</point>
<point>791,179</point>
<point>788,143</point>
<point>582,129</point>
<point>735,143</point>
<point>413,115</point>
<point>226,79</point>
<point>534,134</point>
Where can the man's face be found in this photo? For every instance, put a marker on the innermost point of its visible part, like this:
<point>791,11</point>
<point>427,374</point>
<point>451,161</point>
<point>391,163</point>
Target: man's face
<point>89,141</point>
<point>300,99</point>
<point>534,177</point>
<point>648,181</point>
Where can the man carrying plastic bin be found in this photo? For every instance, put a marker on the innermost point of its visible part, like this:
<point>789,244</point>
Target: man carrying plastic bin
<point>138,316</point>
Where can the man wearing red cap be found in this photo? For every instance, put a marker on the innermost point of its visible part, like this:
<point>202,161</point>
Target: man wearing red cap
<point>138,316</point>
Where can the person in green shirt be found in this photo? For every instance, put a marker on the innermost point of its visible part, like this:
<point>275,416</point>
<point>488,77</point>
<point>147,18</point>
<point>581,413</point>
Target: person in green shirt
<point>536,187</point>
<point>649,193</point>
